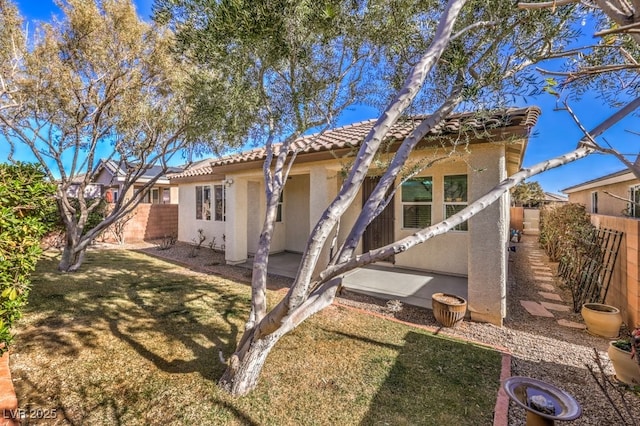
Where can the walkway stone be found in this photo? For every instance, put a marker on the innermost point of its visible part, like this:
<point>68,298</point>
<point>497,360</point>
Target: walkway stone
<point>536,309</point>
<point>547,287</point>
<point>550,296</point>
<point>544,278</point>
<point>555,306</point>
<point>571,324</point>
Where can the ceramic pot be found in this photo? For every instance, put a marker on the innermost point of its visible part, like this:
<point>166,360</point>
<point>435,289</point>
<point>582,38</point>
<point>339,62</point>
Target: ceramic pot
<point>602,320</point>
<point>448,309</point>
<point>626,368</point>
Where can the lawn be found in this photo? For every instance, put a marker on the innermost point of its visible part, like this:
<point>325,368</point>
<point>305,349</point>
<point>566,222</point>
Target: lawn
<point>134,340</point>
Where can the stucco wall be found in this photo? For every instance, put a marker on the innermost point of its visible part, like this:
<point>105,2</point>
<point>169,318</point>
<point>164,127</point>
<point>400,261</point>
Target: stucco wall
<point>445,253</point>
<point>607,205</point>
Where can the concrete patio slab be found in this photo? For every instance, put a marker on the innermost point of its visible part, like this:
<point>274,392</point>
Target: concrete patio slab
<point>536,309</point>
<point>408,286</point>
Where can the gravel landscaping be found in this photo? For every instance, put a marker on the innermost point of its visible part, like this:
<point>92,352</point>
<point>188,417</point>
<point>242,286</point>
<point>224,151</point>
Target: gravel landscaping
<point>540,347</point>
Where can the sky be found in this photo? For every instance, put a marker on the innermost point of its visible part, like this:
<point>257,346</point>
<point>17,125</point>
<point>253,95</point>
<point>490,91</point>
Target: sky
<point>555,133</point>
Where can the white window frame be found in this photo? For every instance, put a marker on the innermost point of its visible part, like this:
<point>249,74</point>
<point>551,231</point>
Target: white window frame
<point>220,216</point>
<point>203,212</point>
<point>416,203</point>
<point>634,195</point>
<point>460,201</point>
<point>155,196</point>
<point>594,205</point>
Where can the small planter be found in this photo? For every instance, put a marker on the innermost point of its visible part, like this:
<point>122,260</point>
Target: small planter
<point>602,320</point>
<point>448,309</point>
<point>626,368</point>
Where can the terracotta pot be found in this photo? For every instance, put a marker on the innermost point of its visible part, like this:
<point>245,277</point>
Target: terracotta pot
<point>448,309</point>
<point>602,320</point>
<point>626,368</point>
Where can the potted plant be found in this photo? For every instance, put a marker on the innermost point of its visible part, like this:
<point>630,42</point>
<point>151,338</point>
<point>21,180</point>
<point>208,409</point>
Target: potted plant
<point>602,320</point>
<point>625,360</point>
<point>448,309</point>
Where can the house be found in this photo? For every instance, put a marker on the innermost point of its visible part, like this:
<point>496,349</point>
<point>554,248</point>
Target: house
<point>551,199</point>
<point>609,194</point>
<point>225,198</point>
<point>110,176</point>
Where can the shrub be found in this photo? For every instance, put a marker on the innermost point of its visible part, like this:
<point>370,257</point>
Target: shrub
<point>566,231</point>
<point>25,201</point>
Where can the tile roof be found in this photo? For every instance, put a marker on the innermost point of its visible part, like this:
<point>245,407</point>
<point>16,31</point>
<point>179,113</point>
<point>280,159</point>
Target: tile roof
<point>353,134</point>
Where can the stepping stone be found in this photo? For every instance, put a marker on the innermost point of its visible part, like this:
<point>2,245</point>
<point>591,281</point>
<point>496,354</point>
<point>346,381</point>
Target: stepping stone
<point>536,309</point>
<point>544,278</point>
<point>571,324</point>
<point>550,296</point>
<point>537,264</point>
<point>547,287</point>
<point>555,307</point>
<point>544,274</point>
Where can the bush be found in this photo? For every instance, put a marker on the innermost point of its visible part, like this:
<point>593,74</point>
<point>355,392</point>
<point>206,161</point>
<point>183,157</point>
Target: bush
<point>25,200</point>
<point>566,231</point>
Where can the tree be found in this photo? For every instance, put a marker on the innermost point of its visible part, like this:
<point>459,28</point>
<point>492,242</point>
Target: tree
<point>528,194</point>
<point>608,67</point>
<point>462,53</point>
<point>98,82</point>
<point>25,198</point>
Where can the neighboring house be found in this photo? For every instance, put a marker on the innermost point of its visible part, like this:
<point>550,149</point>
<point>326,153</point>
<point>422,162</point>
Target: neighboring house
<point>608,194</point>
<point>554,199</point>
<point>110,175</point>
<point>225,198</point>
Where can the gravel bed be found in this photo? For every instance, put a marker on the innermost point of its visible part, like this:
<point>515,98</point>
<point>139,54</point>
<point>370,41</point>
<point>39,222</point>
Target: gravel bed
<point>540,347</point>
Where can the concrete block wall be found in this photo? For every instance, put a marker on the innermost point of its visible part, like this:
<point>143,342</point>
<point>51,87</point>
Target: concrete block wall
<point>623,289</point>
<point>149,222</point>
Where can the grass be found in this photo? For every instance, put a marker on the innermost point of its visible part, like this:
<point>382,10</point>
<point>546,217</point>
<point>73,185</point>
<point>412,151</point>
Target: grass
<point>134,340</point>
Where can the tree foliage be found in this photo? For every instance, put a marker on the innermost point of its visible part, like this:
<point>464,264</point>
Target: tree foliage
<point>527,194</point>
<point>97,83</point>
<point>25,200</point>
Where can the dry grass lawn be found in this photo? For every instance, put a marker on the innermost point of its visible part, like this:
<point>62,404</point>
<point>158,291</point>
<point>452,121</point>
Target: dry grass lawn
<point>134,340</point>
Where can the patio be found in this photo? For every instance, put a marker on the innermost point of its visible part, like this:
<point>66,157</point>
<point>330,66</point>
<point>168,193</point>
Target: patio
<point>413,287</point>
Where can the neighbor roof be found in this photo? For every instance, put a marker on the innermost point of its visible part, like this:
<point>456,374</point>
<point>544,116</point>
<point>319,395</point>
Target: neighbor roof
<point>352,135</point>
<point>619,176</point>
<point>116,170</point>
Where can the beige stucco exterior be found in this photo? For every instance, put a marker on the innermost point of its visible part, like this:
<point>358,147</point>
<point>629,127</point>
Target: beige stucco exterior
<point>479,253</point>
<point>607,204</point>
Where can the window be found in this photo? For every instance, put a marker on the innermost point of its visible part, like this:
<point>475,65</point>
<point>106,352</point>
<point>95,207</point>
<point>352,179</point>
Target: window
<point>166,196</point>
<point>417,196</point>
<point>203,202</point>
<point>115,195</point>
<point>594,202</point>
<point>634,196</point>
<point>155,196</point>
<point>455,198</point>
<point>219,203</point>
<point>279,213</point>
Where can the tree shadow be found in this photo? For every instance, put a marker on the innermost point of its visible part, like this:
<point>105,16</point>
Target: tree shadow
<point>426,374</point>
<point>133,297</point>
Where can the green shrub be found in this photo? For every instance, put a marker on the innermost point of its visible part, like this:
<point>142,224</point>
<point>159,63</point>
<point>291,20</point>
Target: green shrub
<point>25,200</point>
<point>566,231</point>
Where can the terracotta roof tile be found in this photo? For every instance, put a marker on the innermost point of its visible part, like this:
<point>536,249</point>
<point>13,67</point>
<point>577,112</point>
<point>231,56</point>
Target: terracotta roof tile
<point>353,134</point>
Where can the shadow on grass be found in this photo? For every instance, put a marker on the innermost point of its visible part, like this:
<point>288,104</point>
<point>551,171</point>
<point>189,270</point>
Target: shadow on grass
<point>133,296</point>
<point>437,381</point>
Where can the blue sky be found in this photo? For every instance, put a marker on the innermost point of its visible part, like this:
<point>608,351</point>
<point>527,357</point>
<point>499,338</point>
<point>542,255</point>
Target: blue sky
<point>555,133</point>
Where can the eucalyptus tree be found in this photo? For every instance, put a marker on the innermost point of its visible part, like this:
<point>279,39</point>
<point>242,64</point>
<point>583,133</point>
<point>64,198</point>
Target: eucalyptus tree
<point>300,62</point>
<point>97,82</point>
